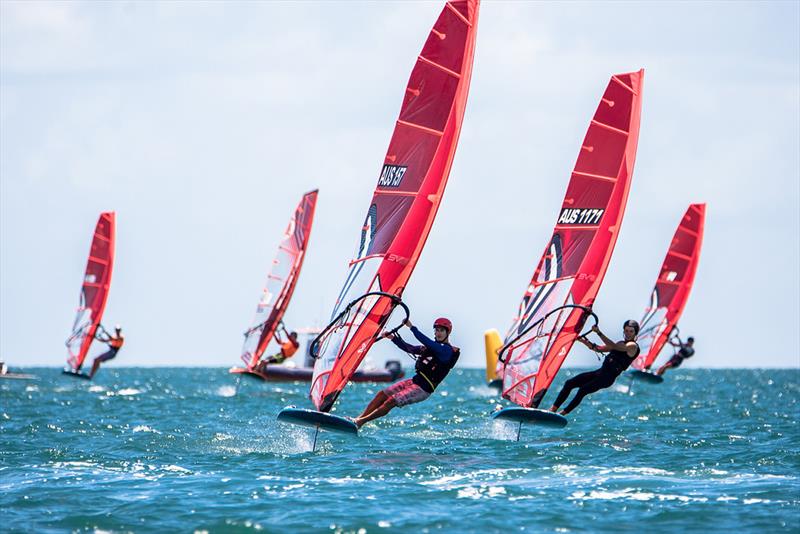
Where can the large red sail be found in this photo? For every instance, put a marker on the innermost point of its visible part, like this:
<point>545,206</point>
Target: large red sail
<point>574,263</point>
<point>281,281</point>
<point>674,283</point>
<point>407,196</point>
<point>94,291</point>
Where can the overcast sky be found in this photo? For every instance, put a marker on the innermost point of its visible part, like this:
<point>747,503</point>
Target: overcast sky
<point>201,124</point>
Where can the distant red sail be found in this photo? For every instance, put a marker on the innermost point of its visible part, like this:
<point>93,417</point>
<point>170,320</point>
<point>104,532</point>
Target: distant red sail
<point>281,281</point>
<point>674,283</point>
<point>94,291</point>
<point>407,196</point>
<point>574,263</point>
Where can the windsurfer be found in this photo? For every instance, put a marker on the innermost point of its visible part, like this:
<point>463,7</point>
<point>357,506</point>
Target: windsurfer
<point>620,355</point>
<point>288,349</point>
<point>685,350</point>
<point>436,357</point>
<point>114,342</point>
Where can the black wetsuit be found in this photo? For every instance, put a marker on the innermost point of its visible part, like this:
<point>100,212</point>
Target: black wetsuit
<point>677,359</point>
<point>614,364</point>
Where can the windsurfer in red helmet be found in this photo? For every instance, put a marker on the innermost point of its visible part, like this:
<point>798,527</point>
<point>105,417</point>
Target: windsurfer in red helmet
<point>436,357</point>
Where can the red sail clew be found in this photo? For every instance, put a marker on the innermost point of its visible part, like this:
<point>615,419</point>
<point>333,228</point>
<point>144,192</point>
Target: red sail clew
<point>94,291</point>
<point>672,287</point>
<point>576,258</point>
<point>409,189</point>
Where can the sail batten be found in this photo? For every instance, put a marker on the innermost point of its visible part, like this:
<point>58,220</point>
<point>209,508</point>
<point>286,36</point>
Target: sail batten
<point>437,133</point>
<point>440,67</point>
<point>595,176</point>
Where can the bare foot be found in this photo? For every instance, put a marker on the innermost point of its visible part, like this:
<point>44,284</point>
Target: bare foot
<point>562,412</point>
<point>553,408</point>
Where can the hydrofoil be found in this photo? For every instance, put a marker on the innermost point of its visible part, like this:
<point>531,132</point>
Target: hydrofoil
<point>533,416</point>
<point>318,421</point>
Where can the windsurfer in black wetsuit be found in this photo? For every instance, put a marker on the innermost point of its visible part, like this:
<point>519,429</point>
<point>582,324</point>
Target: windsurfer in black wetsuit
<point>114,342</point>
<point>620,355</point>
<point>436,357</point>
<point>685,350</point>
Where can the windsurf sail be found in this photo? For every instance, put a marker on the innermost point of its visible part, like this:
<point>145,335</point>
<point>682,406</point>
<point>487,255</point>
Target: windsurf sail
<point>94,291</point>
<point>566,280</point>
<point>405,201</point>
<point>672,287</point>
<point>281,281</point>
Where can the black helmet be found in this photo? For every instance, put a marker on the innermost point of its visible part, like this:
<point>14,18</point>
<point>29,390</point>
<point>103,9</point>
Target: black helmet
<point>633,324</point>
<point>690,339</point>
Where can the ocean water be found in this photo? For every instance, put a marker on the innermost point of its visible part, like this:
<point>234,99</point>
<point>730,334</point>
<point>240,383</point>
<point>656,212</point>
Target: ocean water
<point>179,449</point>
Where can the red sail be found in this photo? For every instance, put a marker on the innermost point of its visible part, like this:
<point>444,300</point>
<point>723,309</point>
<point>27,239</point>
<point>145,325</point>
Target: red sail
<point>408,193</point>
<point>94,292</point>
<point>574,263</point>
<point>281,281</point>
<point>672,287</point>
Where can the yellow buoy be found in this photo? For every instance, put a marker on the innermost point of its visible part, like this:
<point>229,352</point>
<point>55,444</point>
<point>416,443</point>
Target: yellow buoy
<point>492,341</point>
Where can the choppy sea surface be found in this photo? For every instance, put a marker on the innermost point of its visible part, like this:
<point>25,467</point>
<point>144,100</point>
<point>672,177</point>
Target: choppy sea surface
<point>180,449</point>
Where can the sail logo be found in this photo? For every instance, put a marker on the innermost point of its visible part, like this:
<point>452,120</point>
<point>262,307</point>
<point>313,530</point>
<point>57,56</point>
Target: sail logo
<point>402,260</point>
<point>91,278</point>
<point>580,216</point>
<point>391,176</point>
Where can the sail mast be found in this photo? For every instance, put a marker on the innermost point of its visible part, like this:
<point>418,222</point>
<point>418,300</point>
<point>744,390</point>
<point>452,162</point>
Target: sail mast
<point>281,281</point>
<point>672,288</point>
<point>94,290</point>
<point>408,193</point>
<point>568,276</point>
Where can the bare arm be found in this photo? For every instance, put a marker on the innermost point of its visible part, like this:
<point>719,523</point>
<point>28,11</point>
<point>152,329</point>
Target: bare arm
<point>629,347</point>
<point>589,344</point>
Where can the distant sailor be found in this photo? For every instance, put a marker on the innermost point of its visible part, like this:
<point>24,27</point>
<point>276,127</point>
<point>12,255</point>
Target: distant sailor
<point>114,342</point>
<point>436,358</point>
<point>685,350</point>
<point>288,348</point>
<point>620,355</point>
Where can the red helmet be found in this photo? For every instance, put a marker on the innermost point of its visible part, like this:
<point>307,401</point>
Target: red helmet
<point>444,323</point>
